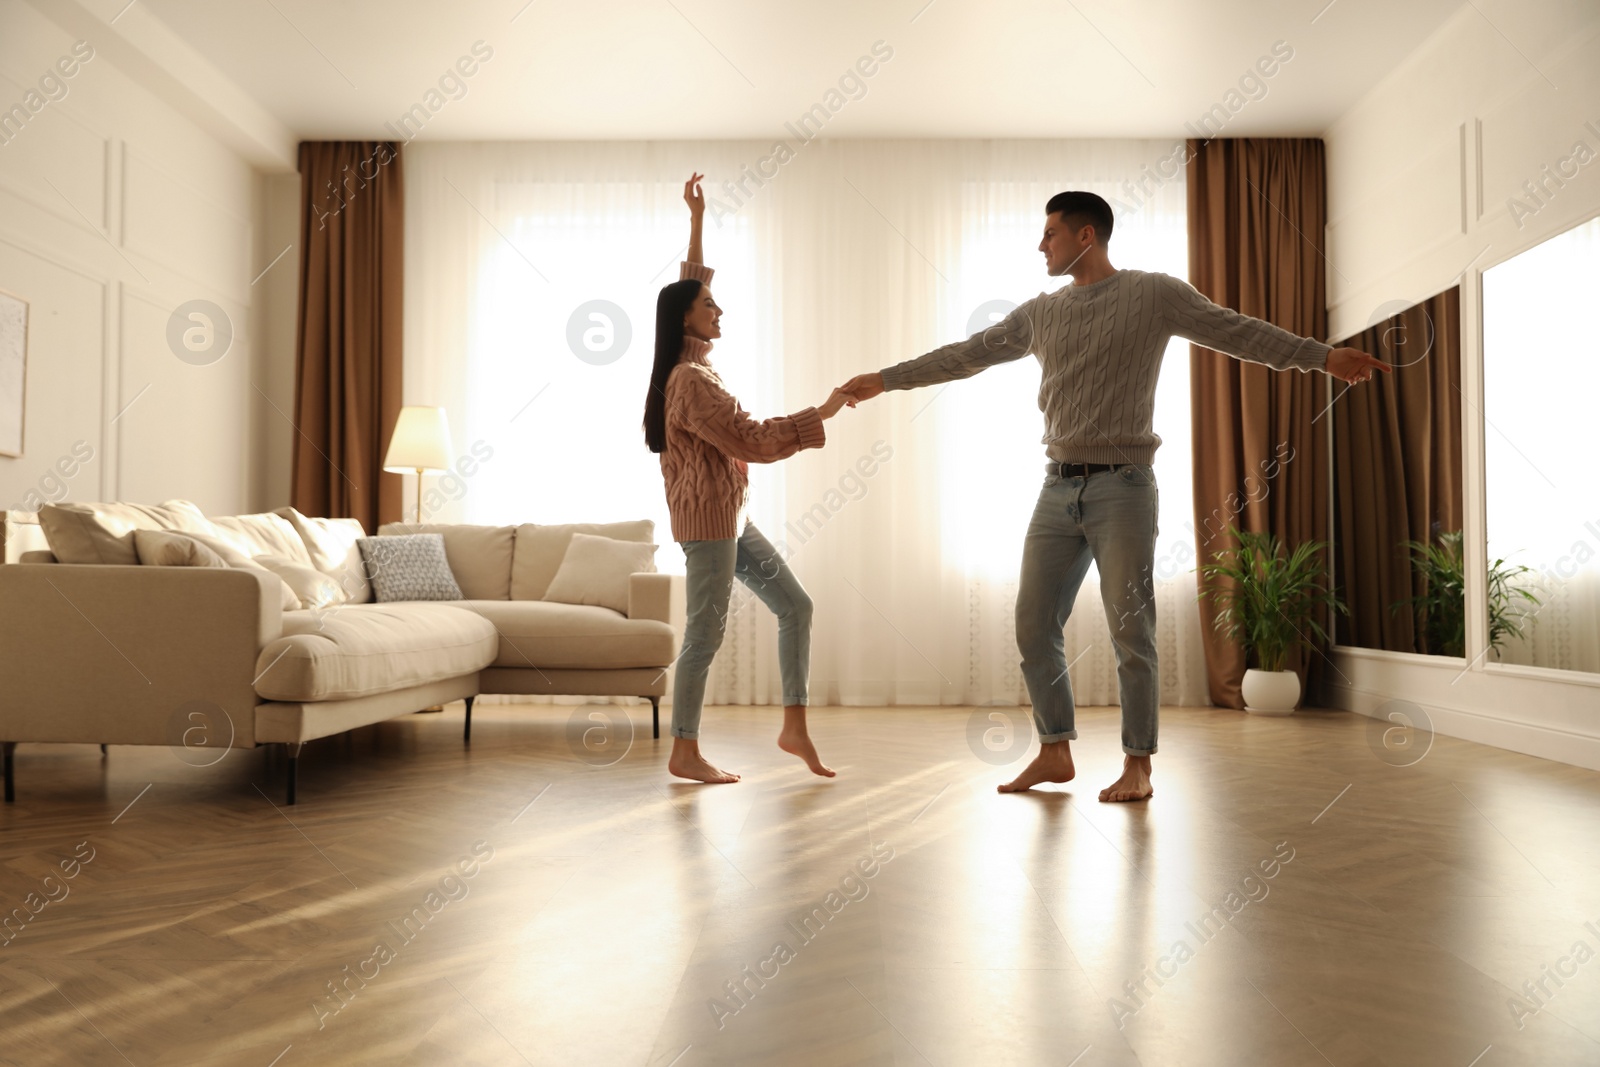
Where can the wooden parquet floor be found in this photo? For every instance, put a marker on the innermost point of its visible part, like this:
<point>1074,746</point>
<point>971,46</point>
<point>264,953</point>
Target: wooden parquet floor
<point>1287,898</point>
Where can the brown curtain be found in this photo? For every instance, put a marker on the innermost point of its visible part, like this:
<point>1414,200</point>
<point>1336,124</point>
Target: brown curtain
<point>1256,214</point>
<point>1397,470</point>
<point>348,349</point>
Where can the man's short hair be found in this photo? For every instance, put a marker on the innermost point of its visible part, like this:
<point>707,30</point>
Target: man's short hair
<point>1080,209</point>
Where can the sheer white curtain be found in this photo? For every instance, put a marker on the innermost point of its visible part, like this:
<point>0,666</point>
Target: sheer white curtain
<point>907,528</point>
<point>1541,374</point>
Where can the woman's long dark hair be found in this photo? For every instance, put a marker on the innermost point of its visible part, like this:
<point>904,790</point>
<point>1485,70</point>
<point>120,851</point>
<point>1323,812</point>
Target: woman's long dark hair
<point>671,306</point>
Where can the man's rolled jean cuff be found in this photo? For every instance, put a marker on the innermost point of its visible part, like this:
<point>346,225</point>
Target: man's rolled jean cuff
<point>1137,751</point>
<point>1050,739</point>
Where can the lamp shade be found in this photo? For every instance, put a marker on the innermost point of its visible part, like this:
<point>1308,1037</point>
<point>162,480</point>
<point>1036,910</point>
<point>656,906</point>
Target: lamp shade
<point>421,441</point>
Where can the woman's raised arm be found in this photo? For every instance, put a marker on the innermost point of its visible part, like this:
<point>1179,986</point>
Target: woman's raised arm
<point>694,266</point>
<point>697,213</point>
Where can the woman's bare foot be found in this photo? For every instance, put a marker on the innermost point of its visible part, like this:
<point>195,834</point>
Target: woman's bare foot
<point>686,762</point>
<point>1052,764</point>
<point>794,740</point>
<point>1134,783</point>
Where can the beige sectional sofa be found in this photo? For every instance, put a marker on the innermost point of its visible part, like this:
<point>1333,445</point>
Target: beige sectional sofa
<point>108,651</point>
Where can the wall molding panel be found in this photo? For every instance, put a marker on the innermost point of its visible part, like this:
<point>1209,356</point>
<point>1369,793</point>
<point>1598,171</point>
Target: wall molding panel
<point>1514,112</point>
<point>116,208</point>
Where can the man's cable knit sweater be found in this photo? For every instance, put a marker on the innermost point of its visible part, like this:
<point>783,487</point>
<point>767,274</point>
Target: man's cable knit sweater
<point>1100,347</point>
<point>711,439</point>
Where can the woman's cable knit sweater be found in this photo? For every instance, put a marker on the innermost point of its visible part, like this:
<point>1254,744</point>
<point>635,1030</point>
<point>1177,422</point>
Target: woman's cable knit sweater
<point>711,439</point>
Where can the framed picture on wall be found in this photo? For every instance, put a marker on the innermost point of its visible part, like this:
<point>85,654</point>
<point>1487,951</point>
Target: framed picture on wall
<point>13,371</point>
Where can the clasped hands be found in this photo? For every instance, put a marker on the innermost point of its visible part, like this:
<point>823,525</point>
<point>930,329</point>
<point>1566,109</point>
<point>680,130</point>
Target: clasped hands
<point>861,387</point>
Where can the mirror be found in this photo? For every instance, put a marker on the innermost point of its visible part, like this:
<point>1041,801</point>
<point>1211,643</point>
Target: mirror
<point>1541,371</point>
<point>1397,498</point>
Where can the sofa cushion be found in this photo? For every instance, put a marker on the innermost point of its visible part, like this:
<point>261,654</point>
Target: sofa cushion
<point>21,534</point>
<point>314,589</point>
<point>357,649</point>
<point>164,548</point>
<point>537,633</point>
<point>103,533</point>
<point>540,549</point>
<point>480,556</point>
<point>331,544</point>
<point>263,534</point>
<point>597,570</point>
<point>158,548</point>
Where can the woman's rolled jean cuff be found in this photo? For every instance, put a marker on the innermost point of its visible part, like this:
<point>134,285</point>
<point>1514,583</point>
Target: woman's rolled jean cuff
<point>687,735</point>
<point>1137,751</point>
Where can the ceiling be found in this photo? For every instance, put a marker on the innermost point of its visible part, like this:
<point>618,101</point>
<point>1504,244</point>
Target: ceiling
<point>650,69</point>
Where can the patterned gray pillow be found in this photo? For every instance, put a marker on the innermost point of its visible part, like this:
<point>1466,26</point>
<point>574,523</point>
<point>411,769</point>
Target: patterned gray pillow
<point>409,567</point>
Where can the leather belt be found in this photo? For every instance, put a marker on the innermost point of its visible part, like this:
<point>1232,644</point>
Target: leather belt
<point>1082,470</point>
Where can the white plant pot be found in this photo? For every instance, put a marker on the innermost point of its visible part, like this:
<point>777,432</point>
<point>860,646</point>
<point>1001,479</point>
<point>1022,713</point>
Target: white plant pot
<point>1270,692</point>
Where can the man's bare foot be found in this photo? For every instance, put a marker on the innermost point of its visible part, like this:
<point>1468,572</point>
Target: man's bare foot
<point>1134,783</point>
<point>686,762</point>
<point>1052,764</point>
<point>795,740</point>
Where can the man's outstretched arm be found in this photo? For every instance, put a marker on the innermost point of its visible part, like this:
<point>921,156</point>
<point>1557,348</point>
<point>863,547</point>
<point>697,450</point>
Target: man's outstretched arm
<point>1353,365</point>
<point>1009,339</point>
<point>1193,317</point>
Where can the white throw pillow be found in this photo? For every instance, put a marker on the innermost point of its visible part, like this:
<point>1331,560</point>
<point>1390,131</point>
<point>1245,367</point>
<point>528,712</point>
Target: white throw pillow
<point>315,589</point>
<point>595,571</point>
<point>158,548</point>
<point>103,533</point>
<point>161,548</point>
<point>263,534</point>
<point>331,543</point>
<point>231,554</point>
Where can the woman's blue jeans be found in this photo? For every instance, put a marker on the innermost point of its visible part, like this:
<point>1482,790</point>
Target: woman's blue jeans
<point>711,567</point>
<point>1110,518</point>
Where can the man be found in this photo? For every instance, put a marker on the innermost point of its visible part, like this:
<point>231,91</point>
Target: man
<point>1099,342</point>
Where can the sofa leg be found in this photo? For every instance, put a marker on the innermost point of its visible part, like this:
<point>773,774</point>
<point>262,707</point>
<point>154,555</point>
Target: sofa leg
<point>466,731</point>
<point>655,717</point>
<point>11,782</point>
<point>102,750</point>
<point>293,749</point>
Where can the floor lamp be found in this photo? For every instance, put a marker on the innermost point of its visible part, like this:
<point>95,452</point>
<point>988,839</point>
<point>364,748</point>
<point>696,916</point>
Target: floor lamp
<point>420,443</point>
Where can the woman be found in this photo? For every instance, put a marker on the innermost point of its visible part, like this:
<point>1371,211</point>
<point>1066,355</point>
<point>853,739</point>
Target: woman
<point>705,440</point>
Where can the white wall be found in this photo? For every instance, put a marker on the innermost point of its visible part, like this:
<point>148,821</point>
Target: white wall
<point>115,208</point>
<point>276,321</point>
<point>1419,175</point>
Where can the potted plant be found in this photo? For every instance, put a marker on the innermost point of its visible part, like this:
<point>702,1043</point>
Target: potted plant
<point>1270,601</point>
<point>1504,620</point>
<point>1443,602</point>
<point>1442,606</point>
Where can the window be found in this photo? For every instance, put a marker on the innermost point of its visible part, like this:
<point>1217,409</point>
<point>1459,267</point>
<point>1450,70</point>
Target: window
<point>561,345</point>
<point>991,453</point>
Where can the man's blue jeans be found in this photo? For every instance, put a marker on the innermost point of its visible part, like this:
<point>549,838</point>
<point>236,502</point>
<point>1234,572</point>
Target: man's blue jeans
<point>710,568</point>
<point>1109,517</point>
